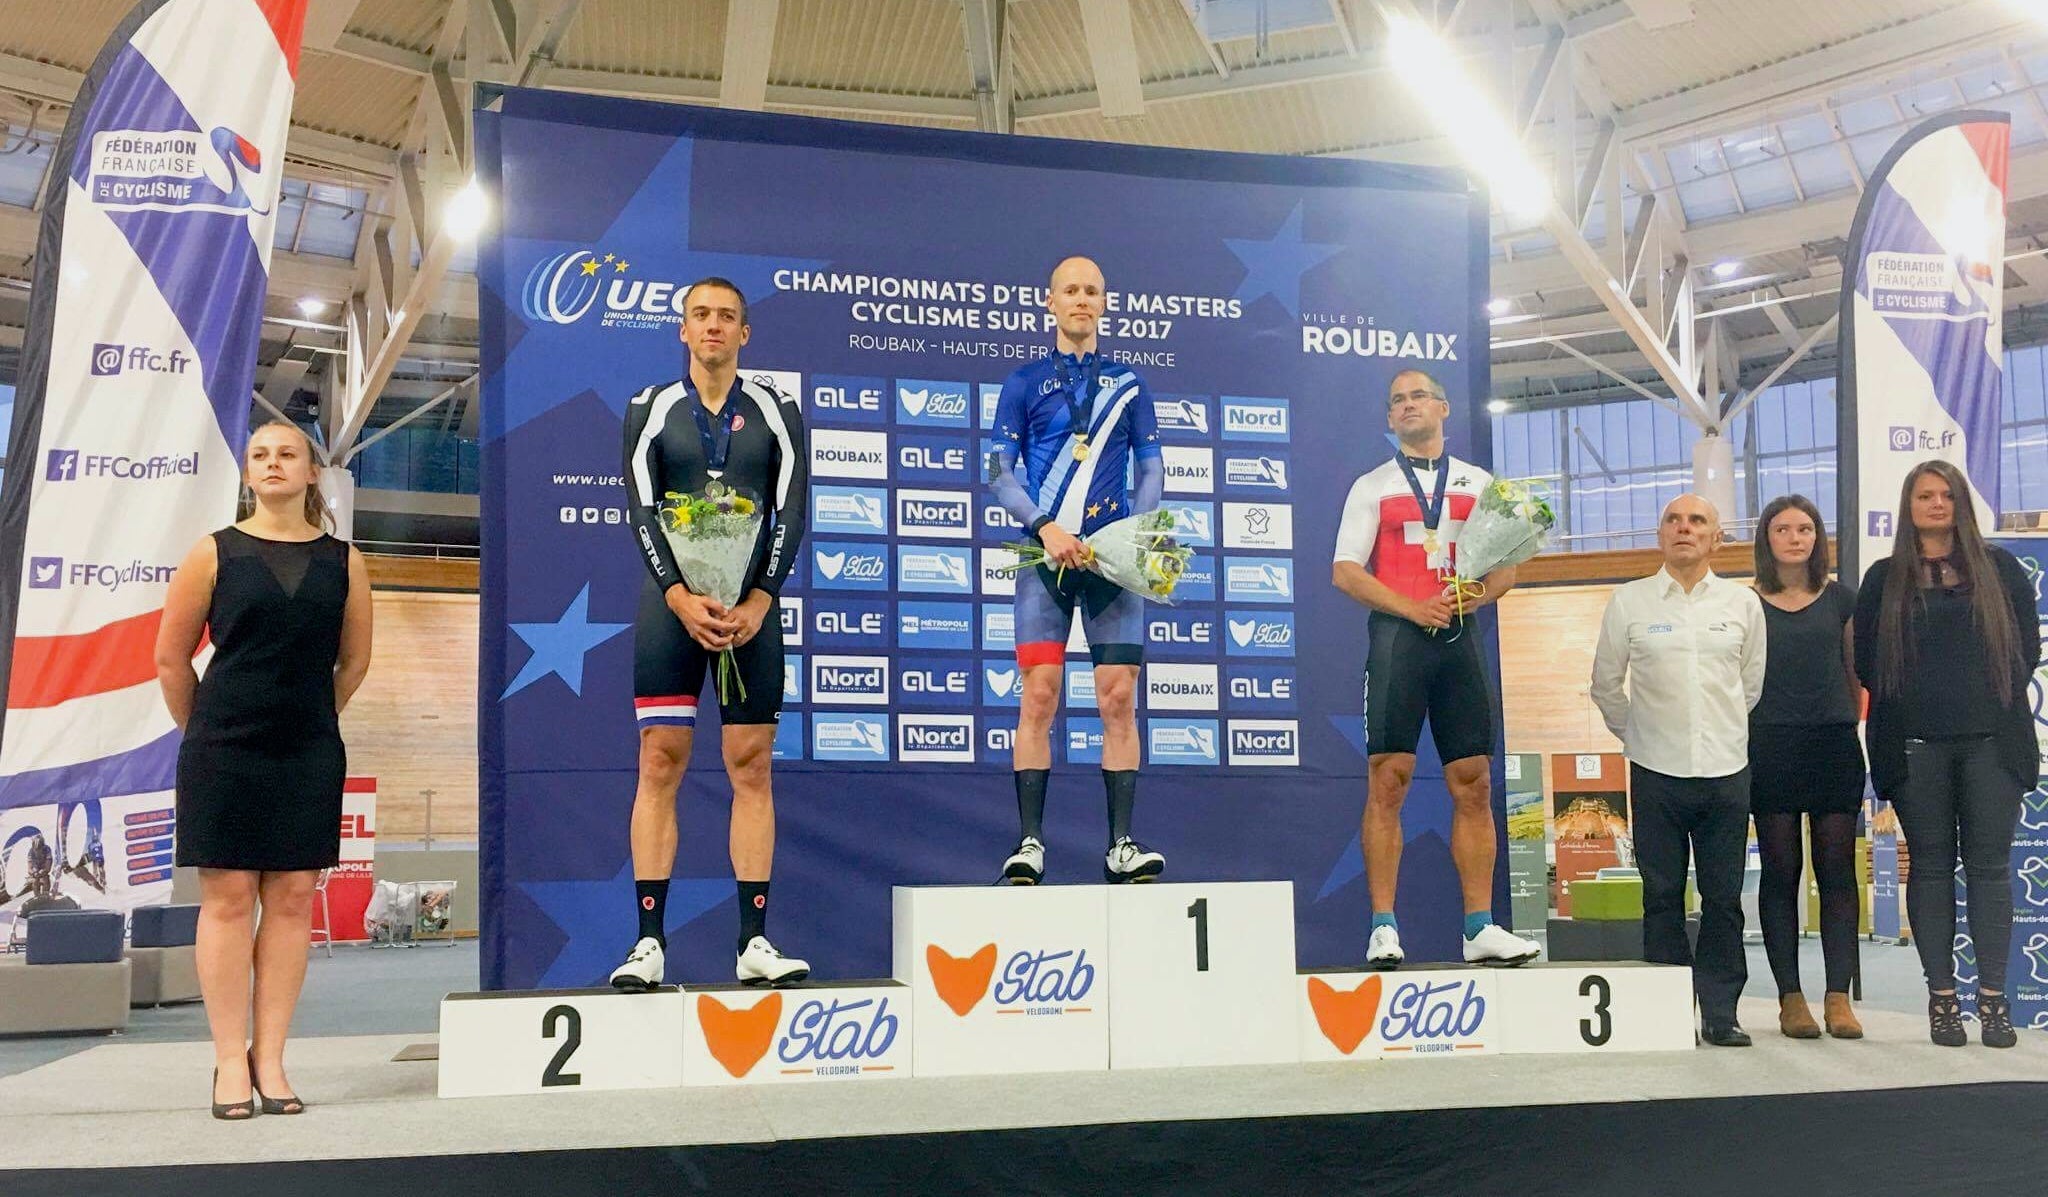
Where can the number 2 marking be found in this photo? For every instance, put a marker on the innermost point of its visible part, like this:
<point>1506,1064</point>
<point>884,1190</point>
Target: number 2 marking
<point>572,1038</point>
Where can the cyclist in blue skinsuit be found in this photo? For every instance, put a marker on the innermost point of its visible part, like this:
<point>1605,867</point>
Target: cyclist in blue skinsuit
<point>1082,429</point>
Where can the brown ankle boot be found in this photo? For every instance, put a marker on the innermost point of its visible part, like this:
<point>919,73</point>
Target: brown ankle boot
<point>1841,1018</point>
<point>1795,1021</point>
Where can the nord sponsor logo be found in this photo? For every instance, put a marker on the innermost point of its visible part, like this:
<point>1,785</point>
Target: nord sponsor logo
<point>1263,472</point>
<point>790,609</point>
<point>924,402</point>
<point>993,580</point>
<point>1258,580</point>
<point>998,628</point>
<point>1258,526</point>
<point>1182,741</point>
<point>862,681</point>
<point>1265,742</point>
<point>1194,524</point>
<point>841,566</point>
<point>1080,685</point>
<point>1261,688</point>
<point>1181,414</point>
<point>1259,633</point>
<point>837,453</point>
<point>850,622</point>
<point>1170,687</point>
<point>1190,470</point>
<point>928,570</point>
<point>939,513</point>
<point>850,510</point>
<point>935,682</point>
<point>843,736</point>
<point>935,625</point>
<point>848,398</point>
<point>930,459</point>
<point>1255,419</point>
<point>109,360</point>
<point>1181,633</point>
<point>1002,683</point>
<point>1084,740</point>
<point>935,738</point>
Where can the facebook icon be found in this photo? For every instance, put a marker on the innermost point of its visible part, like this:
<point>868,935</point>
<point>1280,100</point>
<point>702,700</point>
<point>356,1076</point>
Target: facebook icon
<point>63,466</point>
<point>1880,523</point>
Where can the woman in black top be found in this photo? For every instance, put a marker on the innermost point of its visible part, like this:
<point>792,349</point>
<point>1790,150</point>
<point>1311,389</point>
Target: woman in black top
<point>1805,760</point>
<point>1947,638</point>
<point>287,608</point>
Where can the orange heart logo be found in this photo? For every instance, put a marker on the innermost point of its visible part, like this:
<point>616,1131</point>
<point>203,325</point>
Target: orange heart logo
<point>739,1038</point>
<point>962,981</point>
<point>1345,1015</point>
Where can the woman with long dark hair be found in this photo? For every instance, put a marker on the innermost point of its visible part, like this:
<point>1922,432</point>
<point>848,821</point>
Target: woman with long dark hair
<point>1947,638</point>
<point>260,771</point>
<point>1805,761</point>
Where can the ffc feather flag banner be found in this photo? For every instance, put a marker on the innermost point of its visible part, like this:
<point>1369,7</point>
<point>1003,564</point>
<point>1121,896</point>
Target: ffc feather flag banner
<point>1922,328</point>
<point>129,421</point>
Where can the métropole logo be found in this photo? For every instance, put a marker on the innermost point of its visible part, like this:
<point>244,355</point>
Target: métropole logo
<point>70,465</point>
<point>1036,981</point>
<point>109,360</point>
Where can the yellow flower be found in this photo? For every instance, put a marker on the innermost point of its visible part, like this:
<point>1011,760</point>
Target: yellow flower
<point>743,505</point>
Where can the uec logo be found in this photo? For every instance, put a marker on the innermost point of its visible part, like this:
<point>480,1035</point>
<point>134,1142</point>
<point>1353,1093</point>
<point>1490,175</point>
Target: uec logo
<point>559,289</point>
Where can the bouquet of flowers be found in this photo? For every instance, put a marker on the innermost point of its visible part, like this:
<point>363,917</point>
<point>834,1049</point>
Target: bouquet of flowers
<point>1510,524</point>
<point>713,537</point>
<point>1138,553</point>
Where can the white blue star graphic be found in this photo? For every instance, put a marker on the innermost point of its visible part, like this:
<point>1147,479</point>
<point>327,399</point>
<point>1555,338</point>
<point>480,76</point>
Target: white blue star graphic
<point>559,647</point>
<point>1274,267</point>
<point>1417,818</point>
<point>594,920</point>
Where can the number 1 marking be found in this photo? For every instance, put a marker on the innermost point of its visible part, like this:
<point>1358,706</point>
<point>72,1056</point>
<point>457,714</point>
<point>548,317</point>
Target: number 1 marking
<point>1199,911</point>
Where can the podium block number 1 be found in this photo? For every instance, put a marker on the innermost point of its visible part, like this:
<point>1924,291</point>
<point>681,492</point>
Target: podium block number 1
<point>1205,974</point>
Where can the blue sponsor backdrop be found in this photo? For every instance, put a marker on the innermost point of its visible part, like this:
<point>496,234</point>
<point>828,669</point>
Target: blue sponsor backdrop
<point>2027,970</point>
<point>895,278</point>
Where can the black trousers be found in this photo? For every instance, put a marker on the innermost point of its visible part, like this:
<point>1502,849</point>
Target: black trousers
<point>1957,792</point>
<point>1708,819</point>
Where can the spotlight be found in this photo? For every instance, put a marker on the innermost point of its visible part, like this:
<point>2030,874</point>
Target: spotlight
<point>312,306</point>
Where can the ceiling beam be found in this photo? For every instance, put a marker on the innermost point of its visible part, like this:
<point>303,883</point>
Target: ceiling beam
<point>749,43</point>
<point>1113,52</point>
<point>987,41</point>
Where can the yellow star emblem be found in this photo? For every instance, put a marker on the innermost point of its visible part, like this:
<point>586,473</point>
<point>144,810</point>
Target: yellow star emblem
<point>1112,504</point>
<point>590,267</point>
<point>609,257</point>
<point>1094,509</point>
<point>621,267</point>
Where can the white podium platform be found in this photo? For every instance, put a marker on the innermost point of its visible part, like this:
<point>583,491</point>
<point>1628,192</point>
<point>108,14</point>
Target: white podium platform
<point>998,980</point>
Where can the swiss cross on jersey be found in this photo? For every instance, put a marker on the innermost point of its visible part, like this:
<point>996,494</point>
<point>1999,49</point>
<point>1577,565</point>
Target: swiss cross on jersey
<point>1383,528</point>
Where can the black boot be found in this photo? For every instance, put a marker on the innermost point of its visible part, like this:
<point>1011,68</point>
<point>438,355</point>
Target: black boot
<point>1994,1016</point>
<point>1945,1020</point>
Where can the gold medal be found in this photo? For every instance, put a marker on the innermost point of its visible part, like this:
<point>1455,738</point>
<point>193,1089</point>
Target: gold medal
<point>1430,544</point>
<point>1081,448</point>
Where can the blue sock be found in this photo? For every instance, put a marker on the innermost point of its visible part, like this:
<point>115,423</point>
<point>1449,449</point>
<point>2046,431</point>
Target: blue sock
<point>1384,919</point>
<point>1477,921</point>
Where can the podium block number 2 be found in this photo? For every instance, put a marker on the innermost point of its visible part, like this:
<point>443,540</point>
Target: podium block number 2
<point>571,1023</point>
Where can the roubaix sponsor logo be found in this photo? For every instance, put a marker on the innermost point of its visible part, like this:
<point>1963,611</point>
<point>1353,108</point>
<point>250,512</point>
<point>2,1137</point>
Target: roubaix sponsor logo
<point>857,681</point>
<point>1190,469</point>
<point>109,360</point>
<point>1255,473</point>
<point>926,403</point>
<point>948,738</point>
<point>176,171</point>
<point>994,581</point>
<point>1265,742</point>
<point>1182,741</point>
<point>849,737</point>
<point>1259,633</point>
<point>71,465</point>
<point>1175,687</point>
<point>847,398</point>
<point>54,573</point>
<point>1379,342</point>
<point>843,566</point>
<point>837,453</point>
<point>945,514</point>
<point>1255,419</point>
<point>1034,981</point>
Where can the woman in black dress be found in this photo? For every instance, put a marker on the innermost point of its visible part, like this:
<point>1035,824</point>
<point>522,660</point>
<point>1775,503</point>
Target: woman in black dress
<point>287,609</point>
<point>1947,638</point>
<point>1805,760</point>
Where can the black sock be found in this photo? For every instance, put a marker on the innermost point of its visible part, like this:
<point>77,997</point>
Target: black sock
<point>651,898</point>
<point>1122,787</point>
<point>753,911</point>
<point>1031,801</point>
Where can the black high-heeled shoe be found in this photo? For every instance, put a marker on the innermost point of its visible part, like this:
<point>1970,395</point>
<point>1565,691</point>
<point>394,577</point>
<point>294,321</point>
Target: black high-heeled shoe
<point>273,1105</point>
<point>235,1111</point>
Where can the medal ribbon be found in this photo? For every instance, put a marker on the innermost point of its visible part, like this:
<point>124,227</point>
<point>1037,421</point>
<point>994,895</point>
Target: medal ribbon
<point>717,441</point>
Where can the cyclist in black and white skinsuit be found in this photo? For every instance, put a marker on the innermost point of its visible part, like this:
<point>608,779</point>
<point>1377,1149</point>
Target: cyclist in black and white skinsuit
<point>710,425</point>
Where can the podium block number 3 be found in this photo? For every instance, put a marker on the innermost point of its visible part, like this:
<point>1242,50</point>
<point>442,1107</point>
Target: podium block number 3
<point>566,1021</point>
<point>1597,1027</point>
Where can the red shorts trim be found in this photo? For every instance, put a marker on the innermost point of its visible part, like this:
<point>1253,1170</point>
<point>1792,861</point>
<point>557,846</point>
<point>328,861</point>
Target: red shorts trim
<point>1042,652</point>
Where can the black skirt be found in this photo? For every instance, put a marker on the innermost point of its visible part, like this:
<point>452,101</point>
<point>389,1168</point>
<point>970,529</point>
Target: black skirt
<point>1805,769</point>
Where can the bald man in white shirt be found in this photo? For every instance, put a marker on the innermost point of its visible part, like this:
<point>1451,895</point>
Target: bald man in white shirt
<point>1679,665</point>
